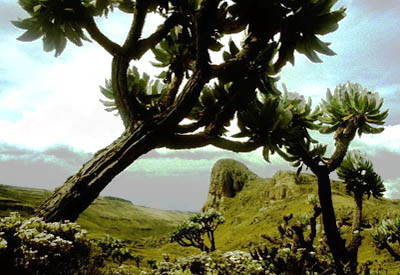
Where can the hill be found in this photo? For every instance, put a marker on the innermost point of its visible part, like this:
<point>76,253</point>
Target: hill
<point>107,215</point>
<point>257,206</point>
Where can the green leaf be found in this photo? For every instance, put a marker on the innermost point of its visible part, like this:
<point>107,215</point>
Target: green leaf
<point>321,47</point>
<point>108,103</point>
<point>30,35</point>
<point>329,22</point>
<point>37,8</point>
<point>73,36</point>
<point>162,75</point>
<point>226,56</point>
<point>303,46</point>
<point>215,46</point>
<point>107,93</point>
<point>161,55</point>
<point>48,44</point>
<point>265,154</point>
<point>233,48</point>
<point>61,44</point>
<point>25,24</point>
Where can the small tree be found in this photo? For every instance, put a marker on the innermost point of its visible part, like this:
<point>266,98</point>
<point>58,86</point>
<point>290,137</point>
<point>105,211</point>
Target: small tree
<point>138,259</point>
<point>191,232</point>
<point>152,263</point>
<point>115,249</point>
<point>358,174</point>
<point>388,234</point>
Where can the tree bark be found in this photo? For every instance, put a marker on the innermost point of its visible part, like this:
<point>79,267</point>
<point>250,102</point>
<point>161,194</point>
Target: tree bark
<point>335,242</point>
<point>355,242</point>
<point>357,217</point>
<point>81,189</point>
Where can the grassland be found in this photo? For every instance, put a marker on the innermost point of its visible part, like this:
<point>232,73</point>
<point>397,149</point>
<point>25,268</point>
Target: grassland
<point>119,218</point>
<point>256,209</point>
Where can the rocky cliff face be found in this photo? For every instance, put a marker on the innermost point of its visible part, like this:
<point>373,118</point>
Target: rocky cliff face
<point>227,179</point>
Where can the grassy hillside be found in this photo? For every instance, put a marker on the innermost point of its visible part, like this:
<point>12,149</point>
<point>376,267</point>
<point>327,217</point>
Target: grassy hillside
<point>252,206</point>
<point>107,215</point>
<point>259,206</point>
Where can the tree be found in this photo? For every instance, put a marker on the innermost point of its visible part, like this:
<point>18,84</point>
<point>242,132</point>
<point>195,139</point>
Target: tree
<point>152,263</point>
<point>116,249</point>
<point>154,114</point>
<point>138,259</point>
<point>350,110</point>
<point>192,231</point>
<point>358,174</point>
<point>386,234</point>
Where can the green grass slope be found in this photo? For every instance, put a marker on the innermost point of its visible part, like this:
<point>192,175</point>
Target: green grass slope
<point>258,207</point>
<point>107,215</point>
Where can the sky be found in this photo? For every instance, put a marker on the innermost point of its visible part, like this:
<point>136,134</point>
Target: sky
<point>51,120</point>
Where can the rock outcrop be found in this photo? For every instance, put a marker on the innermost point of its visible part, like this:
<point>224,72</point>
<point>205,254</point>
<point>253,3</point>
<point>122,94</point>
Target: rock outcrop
<point>228,177</point>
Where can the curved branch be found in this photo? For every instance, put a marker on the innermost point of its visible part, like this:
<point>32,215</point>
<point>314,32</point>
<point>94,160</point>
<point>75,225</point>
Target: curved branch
<point>342,145</point>
<point>191,127</point>
<point>95,33</point>
<point>136,29</point>
<point>170,95</point>
<point>129,107</point>
<point>191,92</point>
<point>231,69</point>
<point>178,142</point>
<point>144,45</point>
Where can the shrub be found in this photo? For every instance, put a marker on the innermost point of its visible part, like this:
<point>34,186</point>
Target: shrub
<point>232,263</point>
<point>387,235</point>
<point>33,246</point>
<point>116,249</point>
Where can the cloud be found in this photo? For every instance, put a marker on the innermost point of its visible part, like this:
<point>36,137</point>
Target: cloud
<point>393,189</point>
<point>388,141</point>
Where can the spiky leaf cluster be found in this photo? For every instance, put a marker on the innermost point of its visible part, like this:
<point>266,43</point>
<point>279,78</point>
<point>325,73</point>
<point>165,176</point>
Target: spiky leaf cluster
<point>191,231</point>
<point>387,232</point>
<point>56,21</point>
<point>145,90</point>
<point>358,174</point>
<point>210,101</point>
<point>174,53</point>
<point>305,21</point>
<point>278,121</point>
<point>352,106</point>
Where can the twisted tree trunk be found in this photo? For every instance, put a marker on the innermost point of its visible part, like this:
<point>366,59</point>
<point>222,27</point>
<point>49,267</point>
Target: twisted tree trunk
<point>81,189</point>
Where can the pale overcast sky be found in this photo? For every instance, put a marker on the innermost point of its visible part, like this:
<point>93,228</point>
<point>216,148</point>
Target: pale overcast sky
<point>51,119</point>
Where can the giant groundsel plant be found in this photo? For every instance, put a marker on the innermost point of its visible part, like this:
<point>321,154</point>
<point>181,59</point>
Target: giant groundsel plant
<point>358,174</point>
<point>349,107</point>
